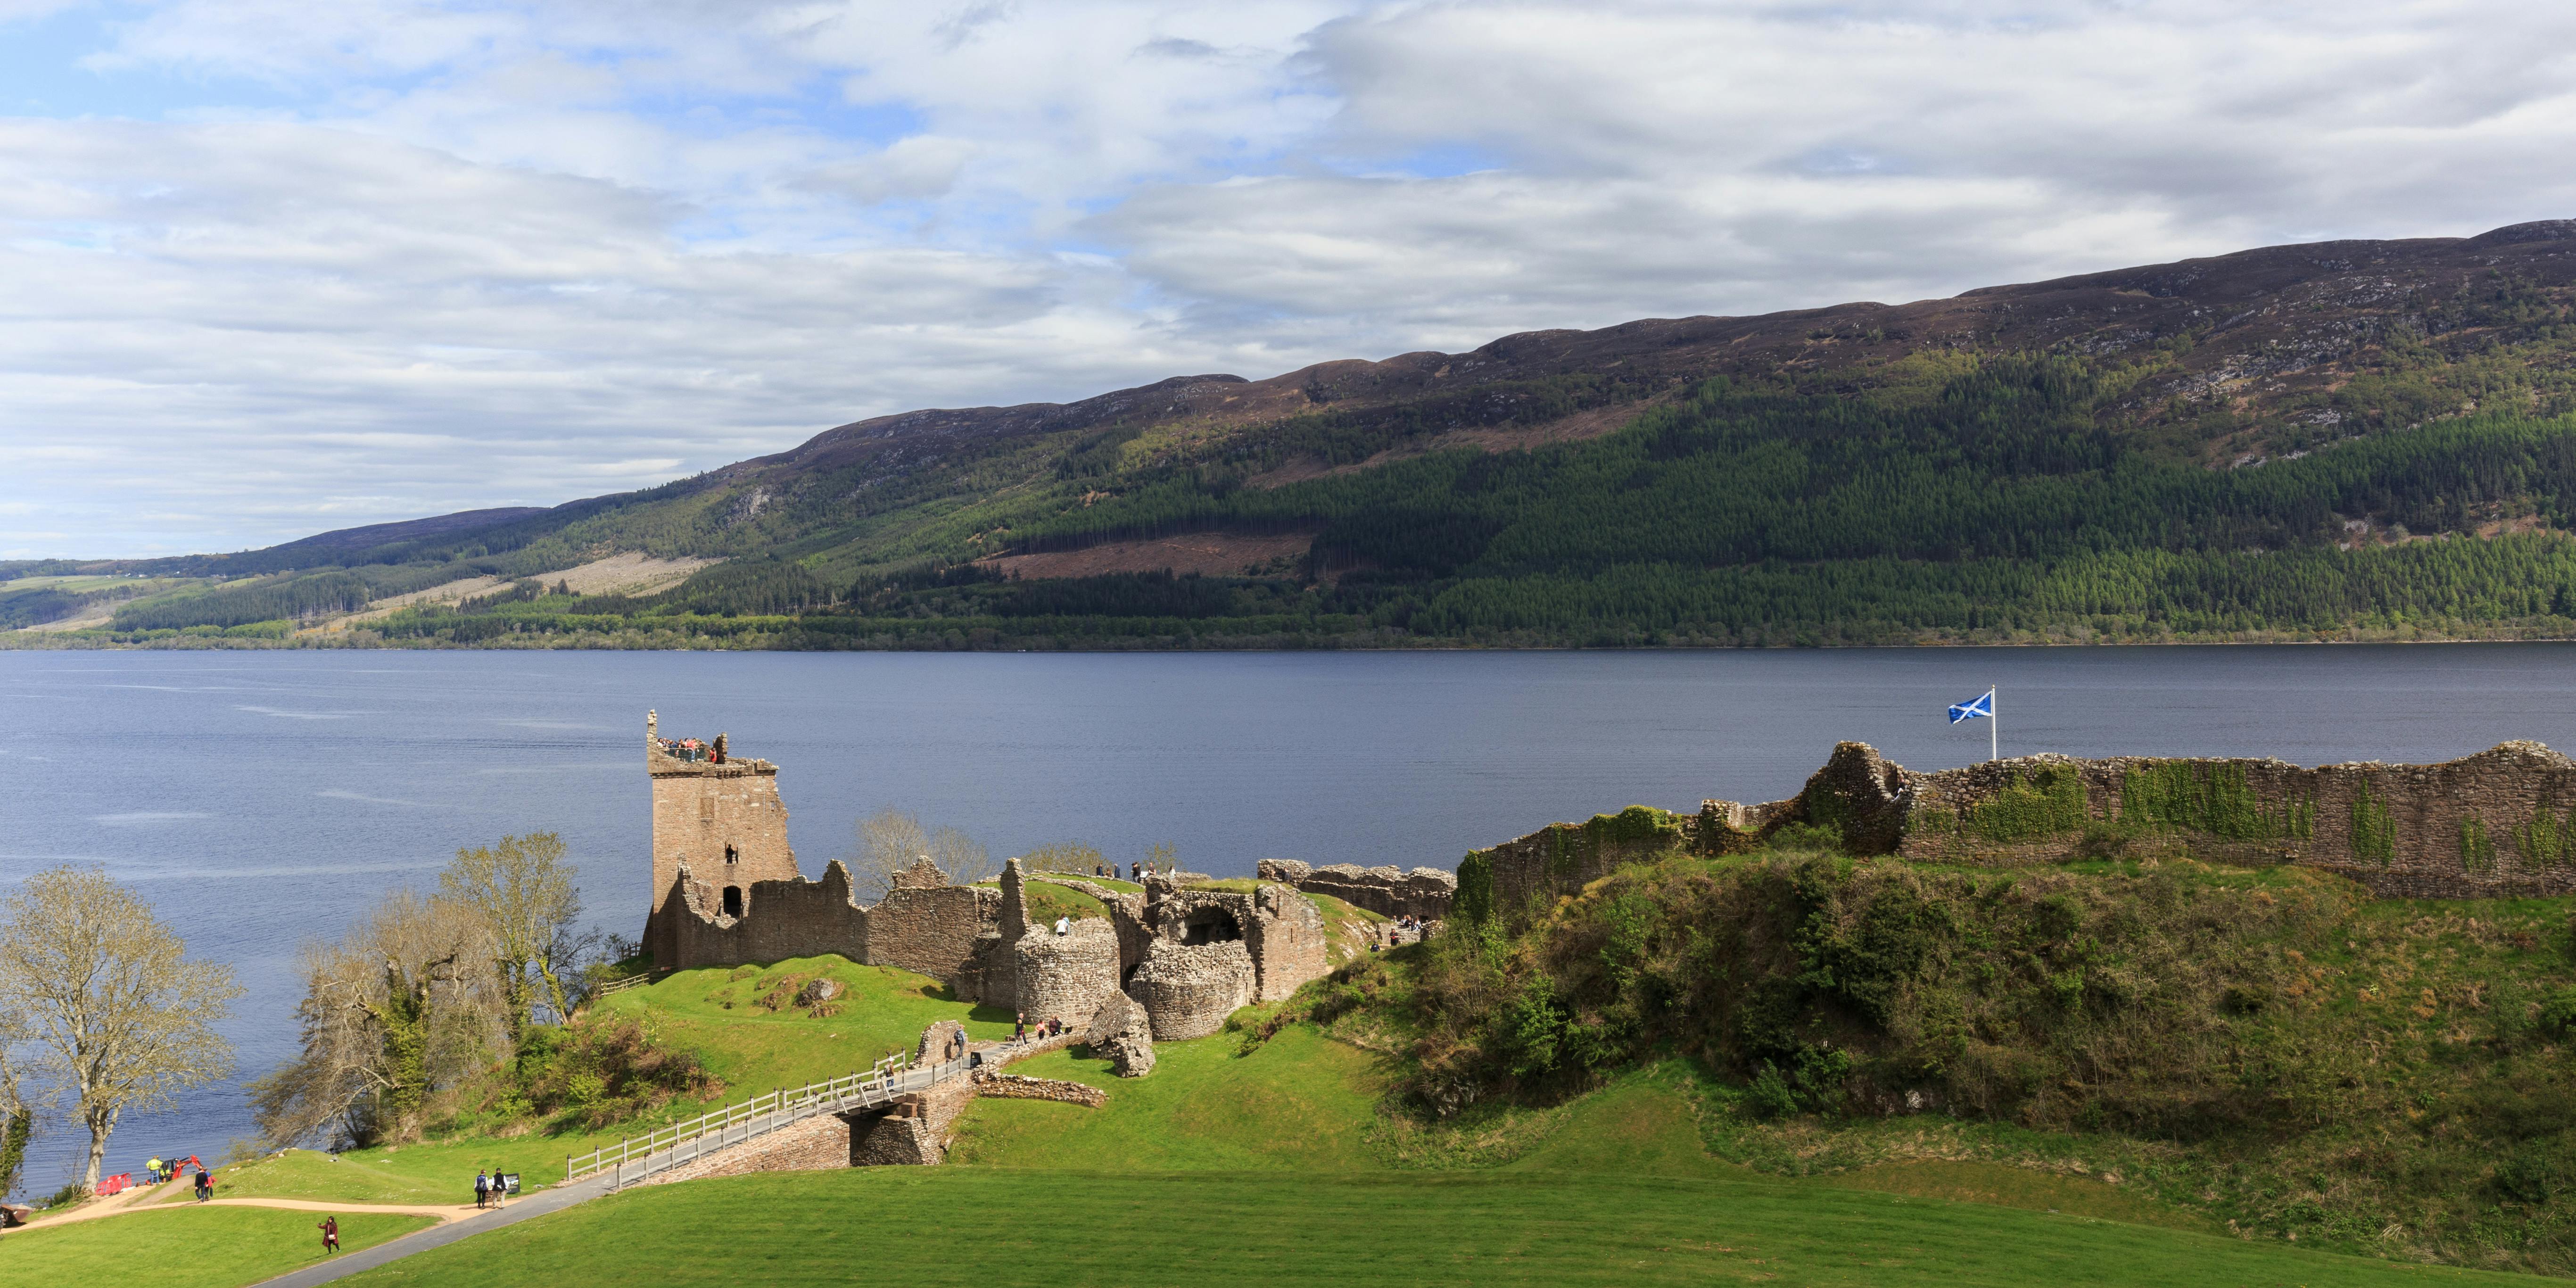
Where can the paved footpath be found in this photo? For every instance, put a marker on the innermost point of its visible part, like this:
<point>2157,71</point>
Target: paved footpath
<point>439,1236</point>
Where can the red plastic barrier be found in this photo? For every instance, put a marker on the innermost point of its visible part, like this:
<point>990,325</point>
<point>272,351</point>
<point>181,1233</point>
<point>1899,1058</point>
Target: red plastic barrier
<point>115,1184</point>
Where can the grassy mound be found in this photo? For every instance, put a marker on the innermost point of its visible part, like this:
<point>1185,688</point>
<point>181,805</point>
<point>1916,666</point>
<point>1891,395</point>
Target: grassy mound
<point>2264,1048</point>
<point>191,1247</point>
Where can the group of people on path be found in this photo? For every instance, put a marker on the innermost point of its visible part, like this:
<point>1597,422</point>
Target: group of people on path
<point>160,1171</point>
<point>491,1189</point>
<point>1404,929</point>
<point>1048,1028</point>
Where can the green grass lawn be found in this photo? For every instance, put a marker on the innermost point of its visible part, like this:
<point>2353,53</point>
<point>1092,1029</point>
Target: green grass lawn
<point>1301,1101</point>
<point>719,1013</point>
<point>440,1172</point>
<point>190,1247</point>
<point>748,1045</point>
<point>979,1226</point>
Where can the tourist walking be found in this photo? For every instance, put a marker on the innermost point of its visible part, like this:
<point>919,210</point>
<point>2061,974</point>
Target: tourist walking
<point>205,1185</point>
<point>482,1188</point>
<point>1019,1026</point>
<point>330,1234</point>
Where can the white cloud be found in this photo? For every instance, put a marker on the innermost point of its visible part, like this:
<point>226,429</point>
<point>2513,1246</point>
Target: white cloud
<point>376,259</point>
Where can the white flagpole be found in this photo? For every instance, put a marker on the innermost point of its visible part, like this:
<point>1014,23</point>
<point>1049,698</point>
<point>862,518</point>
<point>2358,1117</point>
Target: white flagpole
<point>1994,725</point>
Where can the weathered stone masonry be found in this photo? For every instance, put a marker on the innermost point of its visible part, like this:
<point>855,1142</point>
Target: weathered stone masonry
<point>2501,823</point>
<point>757,907</point>
<point>1424,892</point>
<point>717,815</point>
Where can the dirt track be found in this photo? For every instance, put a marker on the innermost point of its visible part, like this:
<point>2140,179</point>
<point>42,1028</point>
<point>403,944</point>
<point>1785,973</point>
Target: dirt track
<point>140,1199</point>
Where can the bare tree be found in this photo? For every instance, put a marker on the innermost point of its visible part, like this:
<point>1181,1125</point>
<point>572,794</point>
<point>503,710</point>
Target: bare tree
<point>1064,856</point>
<point>888,841</point>
<point>408,1002</point>
<point>120,1019</point>
<point>962,857</point>
<point>892,840</point>
<point>526,894</point>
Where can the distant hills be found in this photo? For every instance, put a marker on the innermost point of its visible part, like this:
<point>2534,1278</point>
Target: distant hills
<point>2358,439</point>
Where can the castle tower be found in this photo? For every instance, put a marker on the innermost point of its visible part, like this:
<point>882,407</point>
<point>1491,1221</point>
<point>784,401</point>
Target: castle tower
<point>719,815</point>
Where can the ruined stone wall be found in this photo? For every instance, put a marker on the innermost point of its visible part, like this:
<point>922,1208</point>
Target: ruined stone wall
<point>932,931</point>
<point>2497,824</point>
<point>1067,976</point>
<point>1123,1034</point>
<point>1423,892</point>
<point>725,821</point>
<point>1562,858</point>
<point>1187,990</point>
<point>1012,1086</point>
<point>938,1040</point>
<point>2501,823</point>
<point>1285,941</point>
<point>797,918</point>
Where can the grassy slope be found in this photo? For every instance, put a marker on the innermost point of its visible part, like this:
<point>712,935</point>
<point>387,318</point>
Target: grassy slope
<point>1300,1102</point>
<point>752,1048</point>
<point>1280,1164</point>
<point>2378,1076</point>
<point>190,1247</point>
<point>1216,1168</point>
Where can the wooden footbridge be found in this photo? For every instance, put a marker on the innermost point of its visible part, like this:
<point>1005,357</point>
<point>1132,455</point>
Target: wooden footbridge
<point>639,1157</point>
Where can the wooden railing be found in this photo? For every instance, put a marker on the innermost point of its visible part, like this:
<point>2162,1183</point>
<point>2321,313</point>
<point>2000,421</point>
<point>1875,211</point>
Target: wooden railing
<point>611,988</point>
<point>638,1157</point>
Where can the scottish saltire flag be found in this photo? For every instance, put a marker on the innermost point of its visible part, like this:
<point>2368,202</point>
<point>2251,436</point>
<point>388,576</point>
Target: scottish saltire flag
<point>1983,705</point>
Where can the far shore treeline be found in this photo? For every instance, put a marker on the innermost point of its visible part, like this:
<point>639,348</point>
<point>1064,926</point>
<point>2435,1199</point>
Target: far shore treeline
<point>1737,518</point>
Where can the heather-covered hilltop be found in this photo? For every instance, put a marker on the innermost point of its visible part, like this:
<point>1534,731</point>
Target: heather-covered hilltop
<point>2347,440</point>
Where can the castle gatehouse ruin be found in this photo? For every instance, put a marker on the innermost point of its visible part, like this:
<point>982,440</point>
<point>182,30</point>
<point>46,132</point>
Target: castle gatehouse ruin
<point>727,891</point>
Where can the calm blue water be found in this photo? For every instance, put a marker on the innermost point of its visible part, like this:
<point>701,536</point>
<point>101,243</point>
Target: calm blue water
<point>261,799</point>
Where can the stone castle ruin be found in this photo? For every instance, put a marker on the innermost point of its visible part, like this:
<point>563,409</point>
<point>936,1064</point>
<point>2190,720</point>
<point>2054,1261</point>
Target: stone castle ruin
<point>2498,824</point>
<point>727,891</point>
<point>1424,893</point>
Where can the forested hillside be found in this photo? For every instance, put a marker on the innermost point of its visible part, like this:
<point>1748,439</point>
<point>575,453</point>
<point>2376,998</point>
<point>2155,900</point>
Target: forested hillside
<point>2348,440</point>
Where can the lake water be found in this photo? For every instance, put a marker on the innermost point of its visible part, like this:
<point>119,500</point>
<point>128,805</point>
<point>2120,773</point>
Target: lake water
<point>261,799</point>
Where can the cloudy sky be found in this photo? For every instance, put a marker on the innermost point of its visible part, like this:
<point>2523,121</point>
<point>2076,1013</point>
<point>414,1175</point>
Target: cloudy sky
<point>274,266</point>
